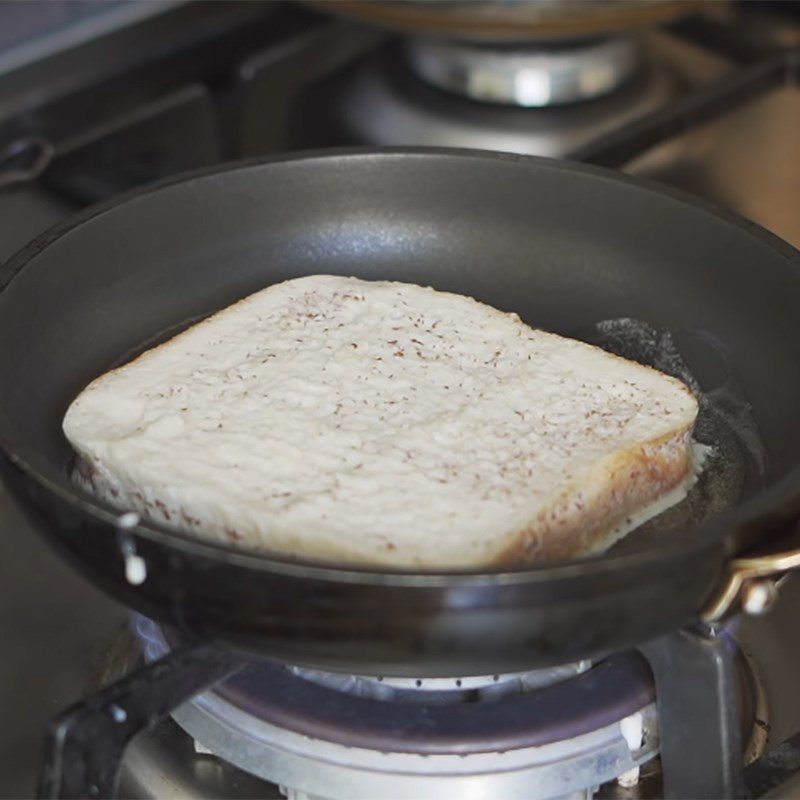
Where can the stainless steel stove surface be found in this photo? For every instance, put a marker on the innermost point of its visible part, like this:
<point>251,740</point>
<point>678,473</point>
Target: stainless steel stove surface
<point>709,106</point>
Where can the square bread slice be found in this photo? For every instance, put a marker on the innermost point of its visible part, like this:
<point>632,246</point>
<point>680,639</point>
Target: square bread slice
<point>384,424</point>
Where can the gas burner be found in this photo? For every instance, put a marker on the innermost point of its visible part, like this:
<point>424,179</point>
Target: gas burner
<point>382,100</point>
<point>530,76</point>
<point>443,690</point>
<point>552,733</point>
<point>337,737</point>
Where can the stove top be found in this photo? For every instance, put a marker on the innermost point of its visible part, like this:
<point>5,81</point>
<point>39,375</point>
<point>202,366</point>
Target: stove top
<point>713,109</point>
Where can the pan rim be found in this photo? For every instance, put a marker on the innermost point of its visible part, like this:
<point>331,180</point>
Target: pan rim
<point>716,532</point>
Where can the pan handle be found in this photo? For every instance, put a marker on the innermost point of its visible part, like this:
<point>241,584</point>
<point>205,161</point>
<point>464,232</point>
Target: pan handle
<point>751,584</point>
<point>84,746</point>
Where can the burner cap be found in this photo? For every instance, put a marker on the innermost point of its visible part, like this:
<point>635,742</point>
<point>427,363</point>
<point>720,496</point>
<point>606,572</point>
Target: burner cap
<point>526,76</point>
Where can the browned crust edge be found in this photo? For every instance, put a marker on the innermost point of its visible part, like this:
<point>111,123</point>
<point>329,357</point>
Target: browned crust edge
<point>577,522</point>
<point>583,515</point>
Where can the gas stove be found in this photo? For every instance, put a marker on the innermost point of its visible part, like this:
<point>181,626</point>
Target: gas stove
<point>576,731</point>
<point>99,98</point>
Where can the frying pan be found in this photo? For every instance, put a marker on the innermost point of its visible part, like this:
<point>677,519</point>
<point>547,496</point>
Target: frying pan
<point>512,21</point>
<point>569,247</point>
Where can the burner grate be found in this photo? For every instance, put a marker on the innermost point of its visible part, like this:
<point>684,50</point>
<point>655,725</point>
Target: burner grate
<point>759,72</point>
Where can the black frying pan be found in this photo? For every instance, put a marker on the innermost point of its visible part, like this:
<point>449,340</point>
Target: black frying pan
<point>564,245</point>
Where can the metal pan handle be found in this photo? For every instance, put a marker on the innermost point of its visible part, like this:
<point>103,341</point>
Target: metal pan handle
<point>84,746</point>
<point>752,581</point>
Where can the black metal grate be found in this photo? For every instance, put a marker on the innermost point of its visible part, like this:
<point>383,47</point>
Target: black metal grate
<point>760,70</point>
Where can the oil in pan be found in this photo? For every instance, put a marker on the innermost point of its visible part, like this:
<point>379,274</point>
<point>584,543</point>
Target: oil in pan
<point>734,458</point>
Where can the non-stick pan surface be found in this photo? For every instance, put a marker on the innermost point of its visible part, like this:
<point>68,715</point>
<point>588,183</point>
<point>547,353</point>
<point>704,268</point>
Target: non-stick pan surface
<point>567,247</point>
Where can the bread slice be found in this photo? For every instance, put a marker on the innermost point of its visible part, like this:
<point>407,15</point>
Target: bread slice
<point>385,424</point>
